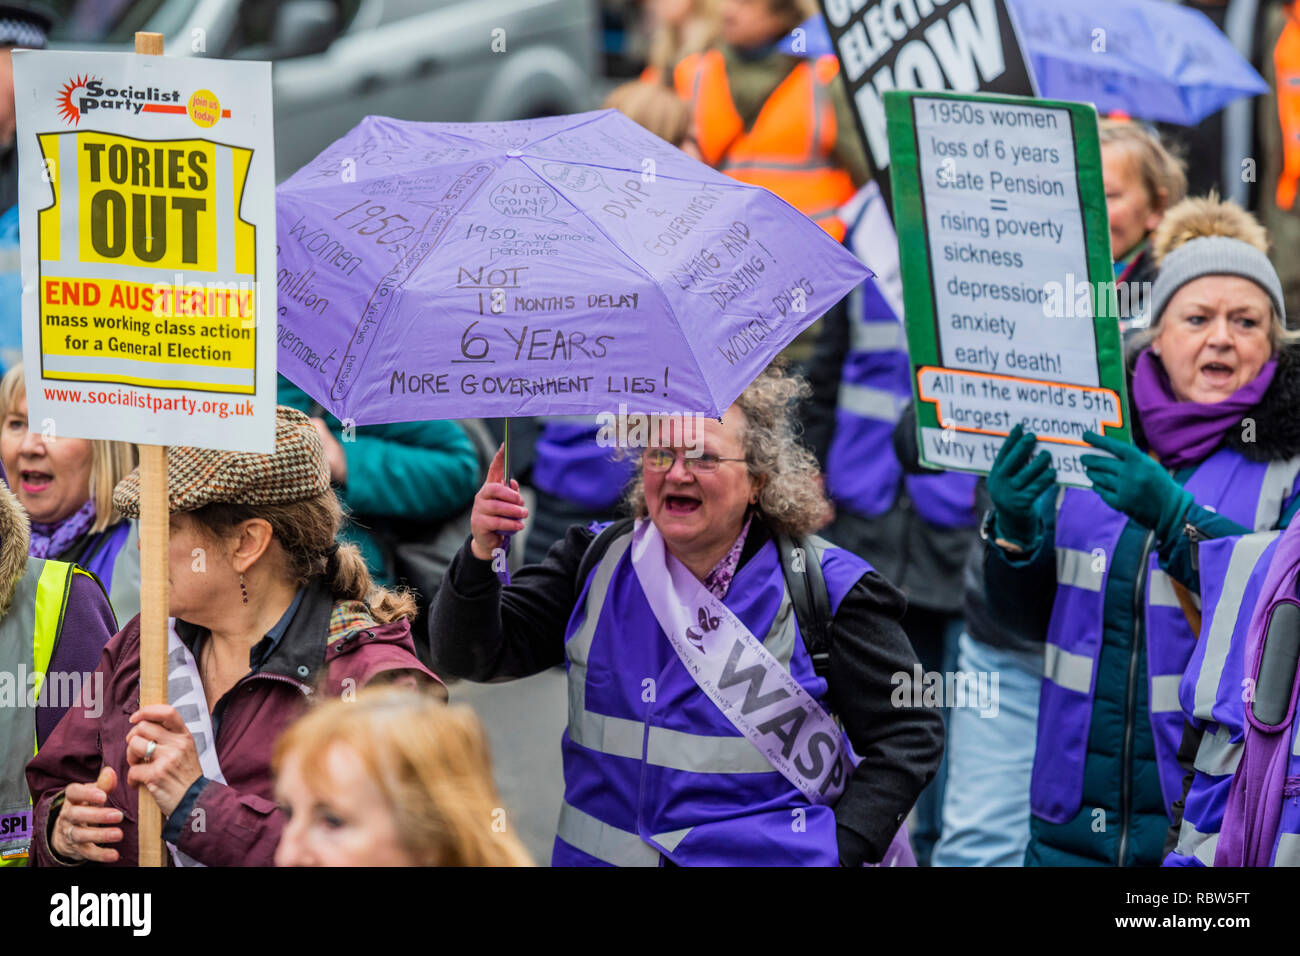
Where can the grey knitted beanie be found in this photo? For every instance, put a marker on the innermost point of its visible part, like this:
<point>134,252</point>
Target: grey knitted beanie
<point>1214,256</point>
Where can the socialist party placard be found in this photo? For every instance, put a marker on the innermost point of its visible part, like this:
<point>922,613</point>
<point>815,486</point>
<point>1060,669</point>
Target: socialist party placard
<point>147,217</point>
<point>1007,279</point>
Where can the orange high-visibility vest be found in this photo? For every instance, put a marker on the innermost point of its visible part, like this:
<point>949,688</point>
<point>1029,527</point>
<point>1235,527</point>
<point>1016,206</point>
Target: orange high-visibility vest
<point>789,149</point>
<point>1286,66</point>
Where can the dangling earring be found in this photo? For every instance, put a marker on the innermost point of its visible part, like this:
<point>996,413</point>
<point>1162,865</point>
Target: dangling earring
<point>242,589</point>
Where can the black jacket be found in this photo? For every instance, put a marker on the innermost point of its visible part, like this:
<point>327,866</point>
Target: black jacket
<point>483,632</point>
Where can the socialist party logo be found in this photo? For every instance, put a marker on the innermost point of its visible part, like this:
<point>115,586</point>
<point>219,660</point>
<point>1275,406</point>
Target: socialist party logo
<point>85,94</point>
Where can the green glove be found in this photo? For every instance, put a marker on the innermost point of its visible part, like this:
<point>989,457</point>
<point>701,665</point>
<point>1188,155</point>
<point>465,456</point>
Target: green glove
<point>1136,484</point>
<point>1015,482</point>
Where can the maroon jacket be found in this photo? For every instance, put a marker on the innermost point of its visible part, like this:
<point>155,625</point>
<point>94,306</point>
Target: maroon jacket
<point>241,821</point>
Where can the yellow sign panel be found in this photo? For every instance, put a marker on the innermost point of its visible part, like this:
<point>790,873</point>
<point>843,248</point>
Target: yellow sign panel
<point>156,285</point>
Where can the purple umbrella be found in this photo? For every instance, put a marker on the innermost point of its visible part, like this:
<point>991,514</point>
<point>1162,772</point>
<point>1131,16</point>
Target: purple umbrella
<point>564,265</point>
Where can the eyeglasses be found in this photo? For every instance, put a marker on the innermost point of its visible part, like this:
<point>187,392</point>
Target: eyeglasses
<point>661,459</point>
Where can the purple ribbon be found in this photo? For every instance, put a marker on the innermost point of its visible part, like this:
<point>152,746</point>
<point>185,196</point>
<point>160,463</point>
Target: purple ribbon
<point>1254,807</point>
<point>1184,433</point>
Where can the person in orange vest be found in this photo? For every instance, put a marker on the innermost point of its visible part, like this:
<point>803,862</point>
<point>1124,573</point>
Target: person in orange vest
<point>1277,202</point>
<point>777,121</point>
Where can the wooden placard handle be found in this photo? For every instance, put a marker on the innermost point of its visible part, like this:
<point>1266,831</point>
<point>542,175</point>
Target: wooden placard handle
<point>155,519</point>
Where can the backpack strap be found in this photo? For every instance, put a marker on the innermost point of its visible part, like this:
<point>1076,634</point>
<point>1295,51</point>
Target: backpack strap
<point>596,550</point>
<point>802,569</point>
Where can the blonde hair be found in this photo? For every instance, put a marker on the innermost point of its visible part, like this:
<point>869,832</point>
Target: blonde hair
<point>791,500</point>
<point>430,761</point>
<point>110,461</point>
<point>670,44</point>
<point>1162,174</point>
<point>655,107</point>
<point>1202,216</point>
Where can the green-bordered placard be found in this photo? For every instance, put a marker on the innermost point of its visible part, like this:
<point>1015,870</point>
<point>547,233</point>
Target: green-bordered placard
<point>1010,296</point>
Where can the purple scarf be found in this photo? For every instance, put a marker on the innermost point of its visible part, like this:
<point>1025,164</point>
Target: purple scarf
<point>1254,808</point>
<point>54,538</point>
<point>1184,433</point>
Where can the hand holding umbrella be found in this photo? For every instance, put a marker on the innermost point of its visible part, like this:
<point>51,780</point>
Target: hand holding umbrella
<point>498,511</point>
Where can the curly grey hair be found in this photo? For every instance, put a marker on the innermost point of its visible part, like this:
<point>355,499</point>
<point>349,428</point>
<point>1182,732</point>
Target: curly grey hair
<point>791,500</point>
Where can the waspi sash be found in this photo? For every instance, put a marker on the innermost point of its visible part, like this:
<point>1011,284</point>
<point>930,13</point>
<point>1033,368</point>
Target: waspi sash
<point>760,697</point>
<point>185,694</point>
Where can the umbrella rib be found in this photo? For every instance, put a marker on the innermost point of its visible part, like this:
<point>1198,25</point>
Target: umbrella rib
<point>653,281</point>
<point>600,114</point>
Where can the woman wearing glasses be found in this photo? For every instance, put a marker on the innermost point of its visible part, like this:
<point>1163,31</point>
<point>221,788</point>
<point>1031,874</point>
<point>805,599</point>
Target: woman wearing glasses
<point>701,731</point>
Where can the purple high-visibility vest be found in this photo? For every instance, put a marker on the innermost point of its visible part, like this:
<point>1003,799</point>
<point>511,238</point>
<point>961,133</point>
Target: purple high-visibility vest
<point>862,470</point>
<point>1087,533</point>
<point>570,465</point>
<point>651,765</point>
<point>1213,694</point>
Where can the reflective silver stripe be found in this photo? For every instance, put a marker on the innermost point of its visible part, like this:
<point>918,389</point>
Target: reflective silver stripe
<point>1217,755</point>
<point>124,595</point>
<point>1279,479</point>
<point>609,844</point>
<point>699,754</point>
<point>663,747</point>
<point>609,735</point>
<point>1245,555</point>
<point>1295,742</point>
<point>1192,842</point>
<point>1164,694</point>
<point>1071,671</point>
<point>876,336</point>
<point>867,402</point>
<point>1075,568</point>
<point>670,839</point>
<point>595,731</point>
<point>1288,850</point>
<point>592,420</point>
<point>1161,593</point>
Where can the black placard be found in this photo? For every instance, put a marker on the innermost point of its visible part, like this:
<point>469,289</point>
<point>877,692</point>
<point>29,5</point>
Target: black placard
<point>967,46</point>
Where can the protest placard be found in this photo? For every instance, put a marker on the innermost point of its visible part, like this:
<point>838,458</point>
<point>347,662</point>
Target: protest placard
<point>148,222</point>
<point>1007,278</point>
<point>968,46</point>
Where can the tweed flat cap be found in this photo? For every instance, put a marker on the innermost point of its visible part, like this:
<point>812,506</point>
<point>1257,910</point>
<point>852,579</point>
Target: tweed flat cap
<point>295,471</point>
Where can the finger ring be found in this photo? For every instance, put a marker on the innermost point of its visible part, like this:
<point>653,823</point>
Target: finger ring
<point>68,833</point>
<point>148,751</point>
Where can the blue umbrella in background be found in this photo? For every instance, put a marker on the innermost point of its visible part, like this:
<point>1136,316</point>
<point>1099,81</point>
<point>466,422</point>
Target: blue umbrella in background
<point>1151,59</point>
<point>810,39</point>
